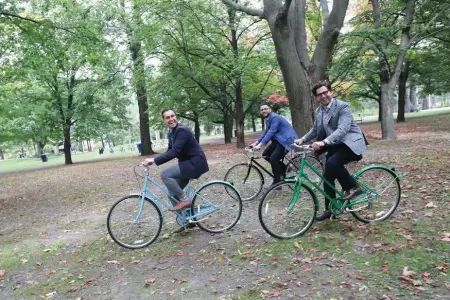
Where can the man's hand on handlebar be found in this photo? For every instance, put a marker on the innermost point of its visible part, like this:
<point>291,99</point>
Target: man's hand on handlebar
<point>298,141</point>
<point>148,162</point>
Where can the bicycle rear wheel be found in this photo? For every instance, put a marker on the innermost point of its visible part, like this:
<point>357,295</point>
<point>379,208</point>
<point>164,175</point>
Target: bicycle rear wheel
<point>281,216</point>
<point>219,205</point>
<point>247,179</point>
<point>125,230</point>
<point>294,165</point>
<point>381,188</point>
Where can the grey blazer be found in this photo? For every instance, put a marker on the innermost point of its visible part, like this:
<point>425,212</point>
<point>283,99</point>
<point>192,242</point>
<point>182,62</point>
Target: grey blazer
<point>339,127</point>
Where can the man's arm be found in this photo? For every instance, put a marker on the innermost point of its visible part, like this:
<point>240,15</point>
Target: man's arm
<point>177,147</point>
<point>273,129</point>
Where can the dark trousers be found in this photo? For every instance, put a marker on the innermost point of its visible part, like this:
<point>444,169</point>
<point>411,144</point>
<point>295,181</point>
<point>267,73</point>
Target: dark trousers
<point>337,157</point>
<point>275,154</point>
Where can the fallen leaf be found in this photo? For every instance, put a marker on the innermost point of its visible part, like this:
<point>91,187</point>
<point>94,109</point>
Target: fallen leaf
<point>307,269</point>
<point>112,262</point>
<point>89,281</point>
<point>359,277</point>
<point>445,236</point>
<point>2,274</point>
<point>261,280</point>
<point>407,272</point>
<point>430,205</point>
<point>47,250</point>
<point>276,294</point>
<point>180,253</point>
<point>150,281</point>
<point>426,274</point>
<point>171,292</point>
<point>297,245</point>
<point>325,283</point>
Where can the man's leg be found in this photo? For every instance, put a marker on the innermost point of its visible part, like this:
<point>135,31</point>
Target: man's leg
<point>276,163</point>
<point>337,157</point>
<point>174,181</point>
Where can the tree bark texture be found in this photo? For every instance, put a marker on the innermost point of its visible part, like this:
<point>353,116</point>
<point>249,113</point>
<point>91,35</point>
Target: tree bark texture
<point>67,144</point>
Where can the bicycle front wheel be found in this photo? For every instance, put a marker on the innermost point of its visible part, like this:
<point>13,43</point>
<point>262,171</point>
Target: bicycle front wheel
<point>287,210</point>
<point>218,207</point>
<point>129,231</point>
<point>247,179</point>
<point>381,189</point>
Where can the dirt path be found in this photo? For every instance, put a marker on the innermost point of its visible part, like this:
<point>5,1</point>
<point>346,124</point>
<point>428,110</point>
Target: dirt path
<point>54,242</point>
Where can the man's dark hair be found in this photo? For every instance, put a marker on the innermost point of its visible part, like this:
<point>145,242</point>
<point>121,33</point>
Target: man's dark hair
<point>267,104</point>
<point>164,110</point>
<point>320,84</point>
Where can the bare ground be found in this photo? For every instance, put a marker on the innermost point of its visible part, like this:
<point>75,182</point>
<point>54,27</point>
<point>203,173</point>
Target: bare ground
<point>54,242</point>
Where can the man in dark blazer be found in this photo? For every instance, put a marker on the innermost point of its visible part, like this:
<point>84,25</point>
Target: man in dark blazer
<point>191,159</point>
<point>282,134</point>
<point>337,133</point>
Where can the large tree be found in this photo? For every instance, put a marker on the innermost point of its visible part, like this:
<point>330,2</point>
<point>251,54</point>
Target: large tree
<point>287,23</point>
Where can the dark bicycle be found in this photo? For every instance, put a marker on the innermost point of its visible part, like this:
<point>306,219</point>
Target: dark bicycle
<point>248,179</point>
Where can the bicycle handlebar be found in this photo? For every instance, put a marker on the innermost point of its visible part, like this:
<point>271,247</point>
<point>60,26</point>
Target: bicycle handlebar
<point>305,148</point>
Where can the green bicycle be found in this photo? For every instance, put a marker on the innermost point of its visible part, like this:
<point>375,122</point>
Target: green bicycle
<point>288,209</point>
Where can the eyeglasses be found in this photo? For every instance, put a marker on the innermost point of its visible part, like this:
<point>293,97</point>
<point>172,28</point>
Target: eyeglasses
<point>322,94</point>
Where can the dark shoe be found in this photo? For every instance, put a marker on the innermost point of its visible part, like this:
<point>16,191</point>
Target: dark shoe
<point>324,216</point>
<point>348,195</point>
<point>181,229</point>
<point>181,205</point>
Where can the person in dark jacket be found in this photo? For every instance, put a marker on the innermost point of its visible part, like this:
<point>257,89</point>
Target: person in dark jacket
<point>191,159</point>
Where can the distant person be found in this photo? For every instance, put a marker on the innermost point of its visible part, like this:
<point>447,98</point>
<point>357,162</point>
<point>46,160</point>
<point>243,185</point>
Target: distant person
<point>337,133</point>
<point>281,134</point>
<point>192,161</point>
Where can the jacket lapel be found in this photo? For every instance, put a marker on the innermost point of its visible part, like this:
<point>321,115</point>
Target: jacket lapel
<point>330,113</point>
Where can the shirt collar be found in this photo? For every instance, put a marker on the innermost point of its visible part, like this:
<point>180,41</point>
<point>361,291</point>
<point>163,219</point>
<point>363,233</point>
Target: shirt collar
<point>329,105</point>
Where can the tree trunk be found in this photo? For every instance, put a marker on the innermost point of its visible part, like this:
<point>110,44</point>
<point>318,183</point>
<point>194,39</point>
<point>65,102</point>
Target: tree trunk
<point>413,98</point>
<point>139,83</point>
<point>40,148</point>
<point>67,145</point>
<point>103,143</point>
<point>2,156</point>
<point>286,21</point>
<point>387,112</point>
<point>227,126</point>
<point>263,124</point>
<point>380,110</point>
<point>402,92</point>
<point>197,129</point>
<point>433,101</point>
<point>425,102</point>
<point>253,124</point>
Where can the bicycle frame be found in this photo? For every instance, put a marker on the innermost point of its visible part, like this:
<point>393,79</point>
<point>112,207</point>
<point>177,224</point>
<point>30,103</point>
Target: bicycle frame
<point>335,206</point>
<point>254,160</point>
<point>190,192</point>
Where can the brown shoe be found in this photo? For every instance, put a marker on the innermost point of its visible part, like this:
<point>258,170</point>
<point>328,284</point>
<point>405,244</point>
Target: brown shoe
<point>181,229</point>
<point>181,205</point>
<point>348,195</point>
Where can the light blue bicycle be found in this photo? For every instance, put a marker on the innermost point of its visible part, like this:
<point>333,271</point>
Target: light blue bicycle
<point>135,221</point>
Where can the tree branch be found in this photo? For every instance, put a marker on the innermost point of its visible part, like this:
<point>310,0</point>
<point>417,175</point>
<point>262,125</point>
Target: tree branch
<point>245,9</point>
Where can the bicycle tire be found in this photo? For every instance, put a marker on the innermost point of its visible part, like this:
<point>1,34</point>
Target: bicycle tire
<point>378,209</point>
<point>134,235</point>
<point>222,211</point>
<point>275,217</point>
<point>249,186</point>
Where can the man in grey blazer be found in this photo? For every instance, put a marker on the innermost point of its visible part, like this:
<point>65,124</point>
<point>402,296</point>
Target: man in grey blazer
<point>336,132</point>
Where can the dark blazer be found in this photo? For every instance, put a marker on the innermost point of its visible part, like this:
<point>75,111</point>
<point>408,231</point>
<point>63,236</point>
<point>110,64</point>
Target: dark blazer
<point>184,146</point>
<point>278,128</point>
